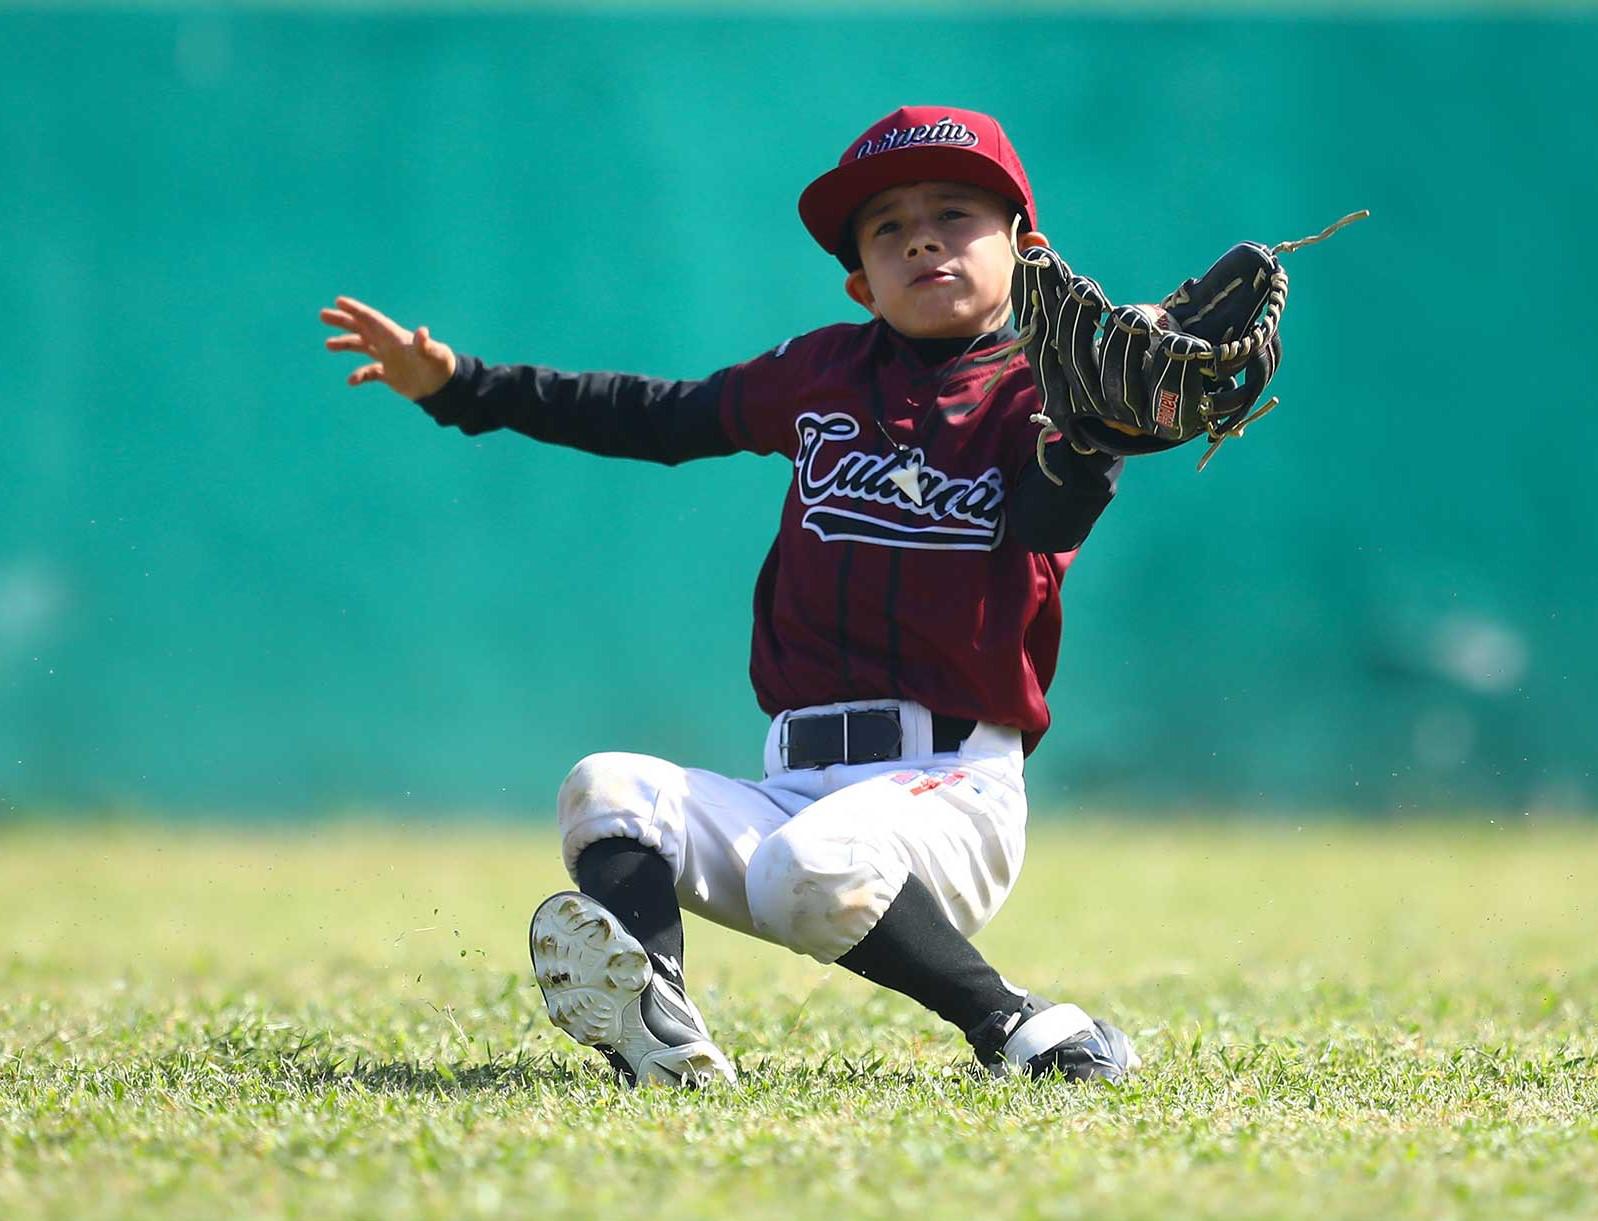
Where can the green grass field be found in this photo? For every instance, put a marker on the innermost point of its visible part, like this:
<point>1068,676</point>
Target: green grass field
<point>339,1022</point>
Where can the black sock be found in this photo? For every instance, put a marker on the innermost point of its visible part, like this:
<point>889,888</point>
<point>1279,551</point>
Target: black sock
<point>915,950</point>
<point>635,882</point>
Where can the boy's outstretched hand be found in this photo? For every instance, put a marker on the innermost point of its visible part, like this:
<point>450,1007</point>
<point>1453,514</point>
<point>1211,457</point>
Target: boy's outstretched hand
<point>412,363</point>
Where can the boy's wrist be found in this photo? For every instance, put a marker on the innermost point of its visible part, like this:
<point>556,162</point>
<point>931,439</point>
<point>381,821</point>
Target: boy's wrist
<point>461,370</point>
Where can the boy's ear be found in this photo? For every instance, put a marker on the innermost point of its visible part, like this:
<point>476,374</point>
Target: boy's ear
<point>1029,240</point>
<point>859,290</point>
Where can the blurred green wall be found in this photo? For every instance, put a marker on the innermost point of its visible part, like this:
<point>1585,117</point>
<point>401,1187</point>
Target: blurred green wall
<point>229,583</point>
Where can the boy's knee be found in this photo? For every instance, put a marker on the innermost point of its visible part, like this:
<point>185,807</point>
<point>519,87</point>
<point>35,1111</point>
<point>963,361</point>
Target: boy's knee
<point>820,894</point>
<point>618,795</point>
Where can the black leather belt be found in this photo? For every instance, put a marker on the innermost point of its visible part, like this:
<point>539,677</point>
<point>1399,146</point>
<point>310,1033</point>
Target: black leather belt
<point>871,735</point>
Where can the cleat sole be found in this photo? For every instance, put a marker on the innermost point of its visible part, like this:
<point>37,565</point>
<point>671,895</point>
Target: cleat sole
<point>593,975</point>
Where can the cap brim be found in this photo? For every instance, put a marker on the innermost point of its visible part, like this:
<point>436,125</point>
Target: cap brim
<point>829,202</point>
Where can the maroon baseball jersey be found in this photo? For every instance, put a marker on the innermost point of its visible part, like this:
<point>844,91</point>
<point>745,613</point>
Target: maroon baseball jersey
<point>871,590</point>
<point>920,550</point>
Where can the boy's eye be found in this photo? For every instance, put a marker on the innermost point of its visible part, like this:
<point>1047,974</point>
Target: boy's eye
<point>947,214</point>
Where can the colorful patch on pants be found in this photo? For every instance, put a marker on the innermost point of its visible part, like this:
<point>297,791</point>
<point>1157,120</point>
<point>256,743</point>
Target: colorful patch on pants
<point>925,782</point>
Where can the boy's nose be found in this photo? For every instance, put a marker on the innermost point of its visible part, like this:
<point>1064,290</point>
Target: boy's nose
<point>918,245</point>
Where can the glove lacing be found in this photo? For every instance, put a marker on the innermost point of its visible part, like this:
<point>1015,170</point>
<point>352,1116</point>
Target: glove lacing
<point>1027,329</point>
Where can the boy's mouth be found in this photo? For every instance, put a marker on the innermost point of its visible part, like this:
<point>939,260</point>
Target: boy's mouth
<point>936,276</point>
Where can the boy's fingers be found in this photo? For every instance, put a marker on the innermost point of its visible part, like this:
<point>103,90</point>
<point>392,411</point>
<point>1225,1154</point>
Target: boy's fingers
<point>349,343</point>
<point>422,338</point>
<point>380,339</point>
<point>364,313</point>
<point>366,373</point>
<point>337,317</point>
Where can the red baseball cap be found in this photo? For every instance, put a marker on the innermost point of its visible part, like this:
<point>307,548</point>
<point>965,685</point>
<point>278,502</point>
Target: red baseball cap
<point>913,144</point>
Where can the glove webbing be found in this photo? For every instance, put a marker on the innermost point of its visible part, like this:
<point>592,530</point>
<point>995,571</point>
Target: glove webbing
<point>1239,350</point>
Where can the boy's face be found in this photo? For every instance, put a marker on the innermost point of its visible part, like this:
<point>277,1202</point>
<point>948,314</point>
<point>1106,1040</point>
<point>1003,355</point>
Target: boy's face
<point>935,259</point>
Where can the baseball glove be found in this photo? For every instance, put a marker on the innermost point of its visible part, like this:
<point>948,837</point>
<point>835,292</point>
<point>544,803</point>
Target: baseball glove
<point>1137,379</point>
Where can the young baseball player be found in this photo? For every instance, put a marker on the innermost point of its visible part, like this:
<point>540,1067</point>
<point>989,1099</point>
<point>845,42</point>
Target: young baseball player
<point>906,625</point>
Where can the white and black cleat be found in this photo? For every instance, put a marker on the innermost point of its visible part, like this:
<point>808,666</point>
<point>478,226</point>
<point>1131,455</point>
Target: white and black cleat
<point>1042,1038</point>
<point>605,990</point>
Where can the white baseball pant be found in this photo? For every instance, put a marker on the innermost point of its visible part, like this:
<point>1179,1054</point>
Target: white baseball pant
<point>811,858</point>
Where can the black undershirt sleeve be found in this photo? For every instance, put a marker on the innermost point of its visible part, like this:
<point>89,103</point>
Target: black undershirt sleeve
<point>617,415</point>
<point>1050,517</point>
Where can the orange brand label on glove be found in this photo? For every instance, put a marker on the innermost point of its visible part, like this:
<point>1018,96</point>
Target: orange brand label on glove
<point>1165,411</point>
